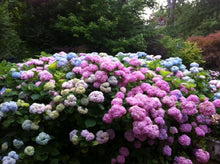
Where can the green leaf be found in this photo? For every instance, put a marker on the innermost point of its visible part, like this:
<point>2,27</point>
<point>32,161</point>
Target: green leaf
<point>101,106</point>
<point>90,123</point>
<point>35,96</point>
<point>18,113</point>
<point>43,53</point>
<point>8,122</point>
<point>54,161</point>
<point>54,152</point>
<point>52,66</point>
<point>95,143</point>
<point>164,73</point>
<point>7,99</point>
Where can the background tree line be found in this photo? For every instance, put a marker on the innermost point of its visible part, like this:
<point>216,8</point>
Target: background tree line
<point>28,27</point>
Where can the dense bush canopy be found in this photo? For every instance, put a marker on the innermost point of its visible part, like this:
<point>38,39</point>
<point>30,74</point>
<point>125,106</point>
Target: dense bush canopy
<point>75,108</point>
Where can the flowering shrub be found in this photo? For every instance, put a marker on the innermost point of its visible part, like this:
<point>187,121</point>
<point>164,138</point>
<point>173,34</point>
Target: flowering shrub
<point>75,108</point>
<point>210,47</point>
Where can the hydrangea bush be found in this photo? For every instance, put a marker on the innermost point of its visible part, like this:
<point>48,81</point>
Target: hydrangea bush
<point>132,108</point>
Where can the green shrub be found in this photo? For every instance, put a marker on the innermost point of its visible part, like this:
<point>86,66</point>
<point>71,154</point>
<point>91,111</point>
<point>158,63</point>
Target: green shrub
<point>188,51</point>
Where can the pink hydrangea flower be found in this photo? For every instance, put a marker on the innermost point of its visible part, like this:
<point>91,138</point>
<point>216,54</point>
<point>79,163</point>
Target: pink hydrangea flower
<point>185,128</point>
<point>124,151</point>
<point>184,140</point>
<point>168,100</point>
<point>182,160</point>
<point>193,98</point>
<point>135,62</point>
<point>163,85</point>
<point>129,135</point>
<point>199,131</point>
<point>167,150</point>
<point>27,75</point>
<point>189,107</point>
<point>107,118</point>
<point>207,108</point>
<point>120,159</point>
<point>137,113</point>
<point>137,144</point>
<point>108,65</point>
<point>101,76</point>
<point>202,156</point>
<point>216,103</point>
<point>117,101</point>
<point>117,111</point>
<point>45,75</point>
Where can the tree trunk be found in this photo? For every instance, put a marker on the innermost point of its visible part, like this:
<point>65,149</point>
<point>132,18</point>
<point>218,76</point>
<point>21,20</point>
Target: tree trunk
<point>171,5</point>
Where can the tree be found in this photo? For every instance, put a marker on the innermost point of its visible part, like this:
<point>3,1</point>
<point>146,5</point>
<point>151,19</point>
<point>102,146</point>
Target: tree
<point>199,17</point>
<point>171,5</point>
<point>116,28</point>
<point>11,46</point>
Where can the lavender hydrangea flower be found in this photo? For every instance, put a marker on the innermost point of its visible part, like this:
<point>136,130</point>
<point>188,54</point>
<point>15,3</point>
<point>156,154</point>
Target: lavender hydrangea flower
<point>96,96</point>
<point>184,140</point>
<point>167,150</point>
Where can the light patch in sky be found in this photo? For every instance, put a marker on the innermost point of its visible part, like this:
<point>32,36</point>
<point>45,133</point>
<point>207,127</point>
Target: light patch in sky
<point>148,12</point>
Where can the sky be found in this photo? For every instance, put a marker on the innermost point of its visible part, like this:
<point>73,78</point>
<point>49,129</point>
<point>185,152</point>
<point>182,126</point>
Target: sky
<point>148,11</point>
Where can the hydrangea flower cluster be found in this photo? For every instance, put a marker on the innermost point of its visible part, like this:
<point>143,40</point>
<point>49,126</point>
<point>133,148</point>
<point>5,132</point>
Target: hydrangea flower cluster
<point>42,138</point>
<point>8,106</point>
<point>133,99</point>
<point>11,158</point>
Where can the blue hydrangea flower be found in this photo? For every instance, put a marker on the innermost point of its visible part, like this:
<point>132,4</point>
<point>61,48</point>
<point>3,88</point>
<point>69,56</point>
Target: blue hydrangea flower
<point>120,54</point>
<point>69,75</point>
<point>167,64</point>
<point>18,143</point>
<point>8,160</point>
<point>212,86</point>
<point>76,62</point>
<point>217,94</point>
<point>194,69</point>
<point>62,62</point>
<point>59,56</point>
<point>174,69</point>
<point>133,55</point>
<point>16,75</point>
<point>14,155</point>
<point>71,55</point>
<point>2,90</point>
<point>149,57</point>
<point>182,67</point>
<point>141,54</point>
<point>194,64</point>
<point>8,106</point>
<point>186,78</point>
<point>42,138</point>
<point>26,125</point>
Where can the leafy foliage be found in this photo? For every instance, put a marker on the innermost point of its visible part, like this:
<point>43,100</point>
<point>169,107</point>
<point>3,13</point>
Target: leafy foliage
<point>188,51</point>
<point>200,17</point>
<point>210,45</point>
<point>117,28</point>
<point>10,42</point>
